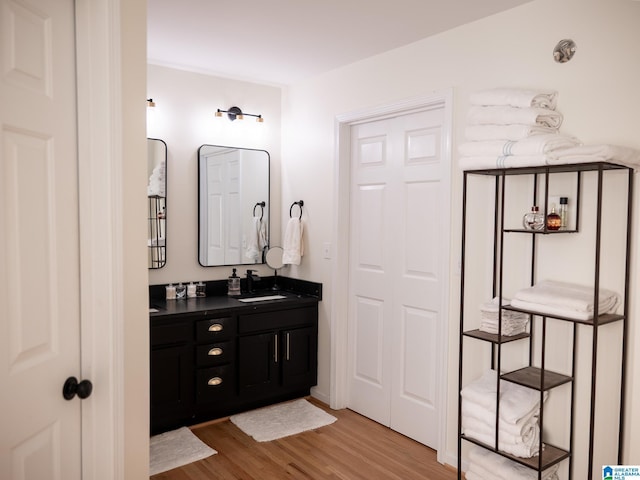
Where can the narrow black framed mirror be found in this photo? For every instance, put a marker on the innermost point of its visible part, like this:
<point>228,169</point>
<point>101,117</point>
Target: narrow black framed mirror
<point>157,203</point>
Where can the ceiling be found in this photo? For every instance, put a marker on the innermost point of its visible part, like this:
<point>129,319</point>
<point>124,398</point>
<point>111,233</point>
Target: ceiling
<point>281,42</point>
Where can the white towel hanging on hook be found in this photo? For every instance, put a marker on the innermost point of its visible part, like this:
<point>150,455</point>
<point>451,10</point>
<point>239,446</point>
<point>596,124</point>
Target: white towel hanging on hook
<point>293,245</point>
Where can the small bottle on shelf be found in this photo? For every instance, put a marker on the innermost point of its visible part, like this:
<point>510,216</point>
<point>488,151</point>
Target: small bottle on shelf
<point>563,212</point>
<point>553,219</point>
<point>533,220</point>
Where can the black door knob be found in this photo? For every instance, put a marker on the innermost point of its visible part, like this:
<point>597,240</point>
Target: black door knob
<point>72,387</point>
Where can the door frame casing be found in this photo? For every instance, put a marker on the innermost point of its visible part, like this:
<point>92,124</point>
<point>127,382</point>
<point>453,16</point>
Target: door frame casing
<point>339,372</point>
<point>111,86</point>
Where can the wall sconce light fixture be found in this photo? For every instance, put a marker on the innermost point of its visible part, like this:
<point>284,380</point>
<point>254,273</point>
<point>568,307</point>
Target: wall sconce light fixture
<point>150,102</point>
<point>234,113</point>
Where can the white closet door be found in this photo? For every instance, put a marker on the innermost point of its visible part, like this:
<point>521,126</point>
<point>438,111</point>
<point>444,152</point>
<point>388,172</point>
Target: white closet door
<point>397,271</point>
<point>39,241</point>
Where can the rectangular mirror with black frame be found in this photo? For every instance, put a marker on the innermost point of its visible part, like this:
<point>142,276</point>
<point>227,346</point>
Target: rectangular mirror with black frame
<point>233,205</point>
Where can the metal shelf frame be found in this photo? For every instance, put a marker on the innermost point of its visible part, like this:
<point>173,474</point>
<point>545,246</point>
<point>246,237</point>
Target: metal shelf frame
<point>531,376</point>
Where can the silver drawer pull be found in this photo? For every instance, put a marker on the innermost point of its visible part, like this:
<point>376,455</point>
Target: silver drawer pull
<point>214,352</point>
<point>216,327</point>
<point>288,348</point>
<point>214,381</point>
<point>275,348</point>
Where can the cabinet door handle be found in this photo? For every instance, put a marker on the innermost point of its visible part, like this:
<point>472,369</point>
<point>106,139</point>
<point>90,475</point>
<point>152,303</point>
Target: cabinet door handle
<point>215,327</point>
<point>214,381</point>
<point>288,346</point>
<point>275,348</point>
<point>214,352</point>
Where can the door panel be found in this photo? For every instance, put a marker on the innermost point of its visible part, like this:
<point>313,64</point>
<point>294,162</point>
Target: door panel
<point>215,206</point>
<point>299,357</point>
<point>39,261</point>
<point>396,271</point>
<point>258,363</point>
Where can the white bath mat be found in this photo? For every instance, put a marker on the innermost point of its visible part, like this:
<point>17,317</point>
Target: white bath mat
<point>174,449</point>
<point>282,420</point>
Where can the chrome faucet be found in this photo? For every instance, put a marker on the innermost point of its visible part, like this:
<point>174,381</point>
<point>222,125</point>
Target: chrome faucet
<point>251,277</point>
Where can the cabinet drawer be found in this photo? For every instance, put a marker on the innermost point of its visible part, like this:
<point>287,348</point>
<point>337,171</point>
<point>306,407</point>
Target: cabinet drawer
<point>171,334</point>
<point>215,383</point>
<point>215,329</point>
<point>256,322</point>
<point>215,353</point>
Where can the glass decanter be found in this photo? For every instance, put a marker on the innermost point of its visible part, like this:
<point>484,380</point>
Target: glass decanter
<point>533,220</point>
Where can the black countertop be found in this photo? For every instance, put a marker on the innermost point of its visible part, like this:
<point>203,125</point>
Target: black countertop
<point>297,293</point>
<point>222,304</point>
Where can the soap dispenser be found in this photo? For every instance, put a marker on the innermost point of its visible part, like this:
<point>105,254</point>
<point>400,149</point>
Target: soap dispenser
<point>233,284</point>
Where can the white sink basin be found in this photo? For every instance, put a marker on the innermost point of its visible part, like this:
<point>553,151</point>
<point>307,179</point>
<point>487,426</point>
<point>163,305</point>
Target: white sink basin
<point>261,299</point>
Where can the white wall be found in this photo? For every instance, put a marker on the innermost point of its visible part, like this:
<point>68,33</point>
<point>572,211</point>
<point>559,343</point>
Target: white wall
<point>184,119</point>
<point>598,95</point>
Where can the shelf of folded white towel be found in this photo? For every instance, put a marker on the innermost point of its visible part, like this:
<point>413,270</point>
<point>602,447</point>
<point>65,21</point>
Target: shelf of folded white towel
<point>517,423</point>
<point>533,169</point>
<point>551,455</point>
<point>601,320</point>
<point>485,465</point>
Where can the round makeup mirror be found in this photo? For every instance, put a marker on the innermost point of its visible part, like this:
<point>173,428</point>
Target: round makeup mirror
<point>273,257</point>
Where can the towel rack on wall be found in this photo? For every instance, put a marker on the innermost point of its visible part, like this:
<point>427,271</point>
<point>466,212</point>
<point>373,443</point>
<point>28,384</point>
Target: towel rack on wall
<point>261,205</point>
<point>300,203</point>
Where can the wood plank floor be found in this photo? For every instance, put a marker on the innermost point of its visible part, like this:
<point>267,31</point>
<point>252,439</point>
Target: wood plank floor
<point>352,448</point>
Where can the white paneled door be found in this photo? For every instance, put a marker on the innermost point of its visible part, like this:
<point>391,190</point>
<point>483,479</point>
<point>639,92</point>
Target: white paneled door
<point>397,272</point>
<point>222,217</point>
<point>39,258</point>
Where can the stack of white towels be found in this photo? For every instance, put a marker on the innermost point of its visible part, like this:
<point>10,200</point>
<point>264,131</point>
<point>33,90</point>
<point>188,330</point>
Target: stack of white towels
<point>157,181</point>
<point>486,465</point>
<point>565,300</point>
<point>518,429</point>
<point>509,127</point>
<point>513,323</point>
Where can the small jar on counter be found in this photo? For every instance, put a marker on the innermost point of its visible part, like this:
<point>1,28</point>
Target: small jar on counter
<point>181,292</point>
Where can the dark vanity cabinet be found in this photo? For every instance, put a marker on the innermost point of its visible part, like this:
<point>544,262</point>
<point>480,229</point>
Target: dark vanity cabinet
<point>172,380</point>
<point>218,362</point>
<point>277,352</point>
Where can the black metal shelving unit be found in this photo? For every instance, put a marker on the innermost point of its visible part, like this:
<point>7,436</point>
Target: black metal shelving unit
<point>533,376</point>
